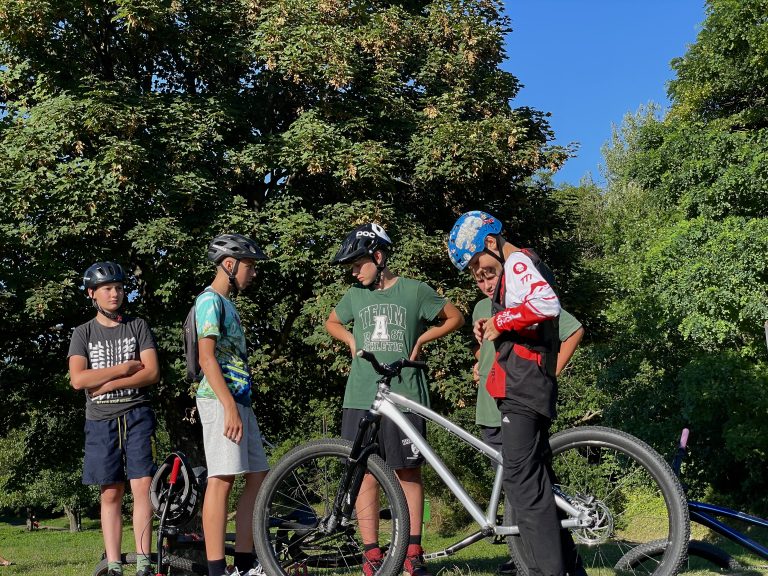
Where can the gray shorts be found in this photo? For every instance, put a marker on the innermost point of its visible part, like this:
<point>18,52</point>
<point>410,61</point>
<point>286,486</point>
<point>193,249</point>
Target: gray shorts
<point>223,457</point>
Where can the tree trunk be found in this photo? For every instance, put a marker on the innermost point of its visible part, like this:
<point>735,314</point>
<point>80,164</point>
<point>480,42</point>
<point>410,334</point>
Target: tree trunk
<point>74,518</point>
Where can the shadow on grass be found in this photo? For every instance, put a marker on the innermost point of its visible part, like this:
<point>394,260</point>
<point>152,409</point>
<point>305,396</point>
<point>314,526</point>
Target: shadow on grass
<point>461,566</point>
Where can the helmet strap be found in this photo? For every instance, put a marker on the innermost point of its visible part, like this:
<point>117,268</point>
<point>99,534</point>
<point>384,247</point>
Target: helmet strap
<point>379,269</point>
<point>233,289</point>
<point>114,316</point>
<point>500,245</point>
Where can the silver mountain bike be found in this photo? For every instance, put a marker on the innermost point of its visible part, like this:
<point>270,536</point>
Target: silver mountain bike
<point>613,492</point>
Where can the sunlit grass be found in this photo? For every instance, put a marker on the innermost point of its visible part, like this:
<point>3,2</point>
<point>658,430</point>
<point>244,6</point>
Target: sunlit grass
<point>61,553</point>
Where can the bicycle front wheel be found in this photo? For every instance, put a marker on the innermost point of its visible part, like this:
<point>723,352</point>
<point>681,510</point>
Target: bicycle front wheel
<point>631,496</point>
<point>290,520</point>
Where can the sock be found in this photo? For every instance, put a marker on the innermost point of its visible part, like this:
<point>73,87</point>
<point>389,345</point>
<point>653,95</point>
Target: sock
<point>217,567</point>
<point>369,547</point>
<point>142,561</point>
<point>243,561</point>
<point>118,566</point>
<point>414,539</point>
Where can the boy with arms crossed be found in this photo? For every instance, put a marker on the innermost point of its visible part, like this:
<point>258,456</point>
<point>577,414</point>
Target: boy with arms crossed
<point>231,435</point>
<point>389,316</point>
<point>113,359</point>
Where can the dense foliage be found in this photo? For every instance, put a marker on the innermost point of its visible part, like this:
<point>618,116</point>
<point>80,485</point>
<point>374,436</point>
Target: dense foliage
<point>137,130</point>
<point>684,246</point>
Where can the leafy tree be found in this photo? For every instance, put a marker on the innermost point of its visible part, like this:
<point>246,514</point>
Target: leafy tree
<point>684,238</point>
<point>137,130</point>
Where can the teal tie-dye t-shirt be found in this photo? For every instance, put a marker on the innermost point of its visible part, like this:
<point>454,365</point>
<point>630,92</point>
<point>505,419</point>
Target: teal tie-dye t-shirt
<point>230,347</point>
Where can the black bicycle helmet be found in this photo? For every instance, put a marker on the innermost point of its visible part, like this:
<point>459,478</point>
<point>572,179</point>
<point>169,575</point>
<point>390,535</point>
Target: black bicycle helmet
<point>186,494</point>
<point>102,273</point>
<point>235,245</point>
<point>362,241</point>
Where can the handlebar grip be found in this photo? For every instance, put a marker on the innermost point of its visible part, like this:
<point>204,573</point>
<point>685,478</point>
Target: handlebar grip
<point>684,438</point>
<point>175,470</point>
<point>365,355</point>
<point>420,364</point>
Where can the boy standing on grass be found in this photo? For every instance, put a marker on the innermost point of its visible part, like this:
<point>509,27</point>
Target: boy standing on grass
<point>231,436</point>
<point>389,316</point>
<point>524,331</point>
<point>487,414</point>
<point>113,359</point>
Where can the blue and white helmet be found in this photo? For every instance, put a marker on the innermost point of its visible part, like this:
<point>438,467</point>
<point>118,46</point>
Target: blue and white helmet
<point>467,237</point>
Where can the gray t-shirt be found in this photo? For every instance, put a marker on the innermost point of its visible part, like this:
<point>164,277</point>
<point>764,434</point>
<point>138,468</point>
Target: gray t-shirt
<point>105,346</point>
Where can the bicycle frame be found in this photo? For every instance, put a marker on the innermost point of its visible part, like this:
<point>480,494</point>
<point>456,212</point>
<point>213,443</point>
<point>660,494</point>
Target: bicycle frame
<point>388,404</point>
<point>704,513</point>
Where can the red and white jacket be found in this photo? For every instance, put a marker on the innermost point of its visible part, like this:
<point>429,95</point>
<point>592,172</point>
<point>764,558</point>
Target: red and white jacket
<point>528,297</point>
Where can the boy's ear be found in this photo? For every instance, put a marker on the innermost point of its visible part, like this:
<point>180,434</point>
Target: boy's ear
<point>228,264</point>
<point>491,243</point>
<point>90,292</point>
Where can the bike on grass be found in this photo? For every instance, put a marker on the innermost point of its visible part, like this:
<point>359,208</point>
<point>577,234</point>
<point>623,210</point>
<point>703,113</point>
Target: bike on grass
<point>707,515</point>
<point>614,493</point>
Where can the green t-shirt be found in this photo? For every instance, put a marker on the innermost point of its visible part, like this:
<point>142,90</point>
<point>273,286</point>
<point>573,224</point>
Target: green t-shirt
<point>388,323</point>
<point>487,414</point>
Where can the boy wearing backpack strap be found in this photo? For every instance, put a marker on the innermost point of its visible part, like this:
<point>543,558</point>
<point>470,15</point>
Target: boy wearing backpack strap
<point>390,317</point>
<point>487,414</point>
<point>524,330</point>
<point>113,359</point>
<point>231,435</point>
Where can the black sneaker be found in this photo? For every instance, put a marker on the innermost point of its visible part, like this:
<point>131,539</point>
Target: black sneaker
<point>146,571</point>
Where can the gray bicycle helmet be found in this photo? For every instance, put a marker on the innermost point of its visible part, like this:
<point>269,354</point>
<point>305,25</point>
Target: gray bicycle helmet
<point>235,245</point>
<point>362,241</point>
<point>102,273</point>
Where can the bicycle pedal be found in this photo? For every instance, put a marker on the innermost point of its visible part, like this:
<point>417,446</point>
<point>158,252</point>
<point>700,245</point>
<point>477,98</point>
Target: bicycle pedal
<point>499,540</point>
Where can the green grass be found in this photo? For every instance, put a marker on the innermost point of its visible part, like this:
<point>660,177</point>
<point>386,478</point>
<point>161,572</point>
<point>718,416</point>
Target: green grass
<point>51,552</point>
<point>61,553</point>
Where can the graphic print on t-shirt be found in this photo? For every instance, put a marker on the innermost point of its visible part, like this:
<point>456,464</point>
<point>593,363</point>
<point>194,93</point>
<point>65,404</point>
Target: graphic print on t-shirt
<point>107,353</point>
<point>383,327</point>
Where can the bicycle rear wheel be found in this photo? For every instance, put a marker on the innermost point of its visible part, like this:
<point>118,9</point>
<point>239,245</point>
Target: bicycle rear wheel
<point>629,492</point>
<point>295,501</point>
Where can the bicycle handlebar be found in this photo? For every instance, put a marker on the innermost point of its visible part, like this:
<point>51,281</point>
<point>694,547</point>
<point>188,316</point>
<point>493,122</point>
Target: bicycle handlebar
<point>393,369</point>
<point>682,449</point>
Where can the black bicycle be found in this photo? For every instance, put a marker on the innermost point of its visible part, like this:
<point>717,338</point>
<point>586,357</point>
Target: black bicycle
<point>176,494</point>
<point>707,515</point>
<point>614,493</point>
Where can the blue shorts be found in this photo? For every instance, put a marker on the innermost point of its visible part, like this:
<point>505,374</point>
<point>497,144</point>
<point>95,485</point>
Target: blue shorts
<point>120,449</point>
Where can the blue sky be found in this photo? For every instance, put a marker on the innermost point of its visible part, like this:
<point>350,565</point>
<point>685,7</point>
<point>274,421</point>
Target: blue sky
<point>589,62</point>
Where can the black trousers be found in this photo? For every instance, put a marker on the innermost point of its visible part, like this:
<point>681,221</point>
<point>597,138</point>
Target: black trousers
<point>528,481</point>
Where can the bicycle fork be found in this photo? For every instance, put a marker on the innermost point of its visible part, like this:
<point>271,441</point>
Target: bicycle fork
<point>355,469</point>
